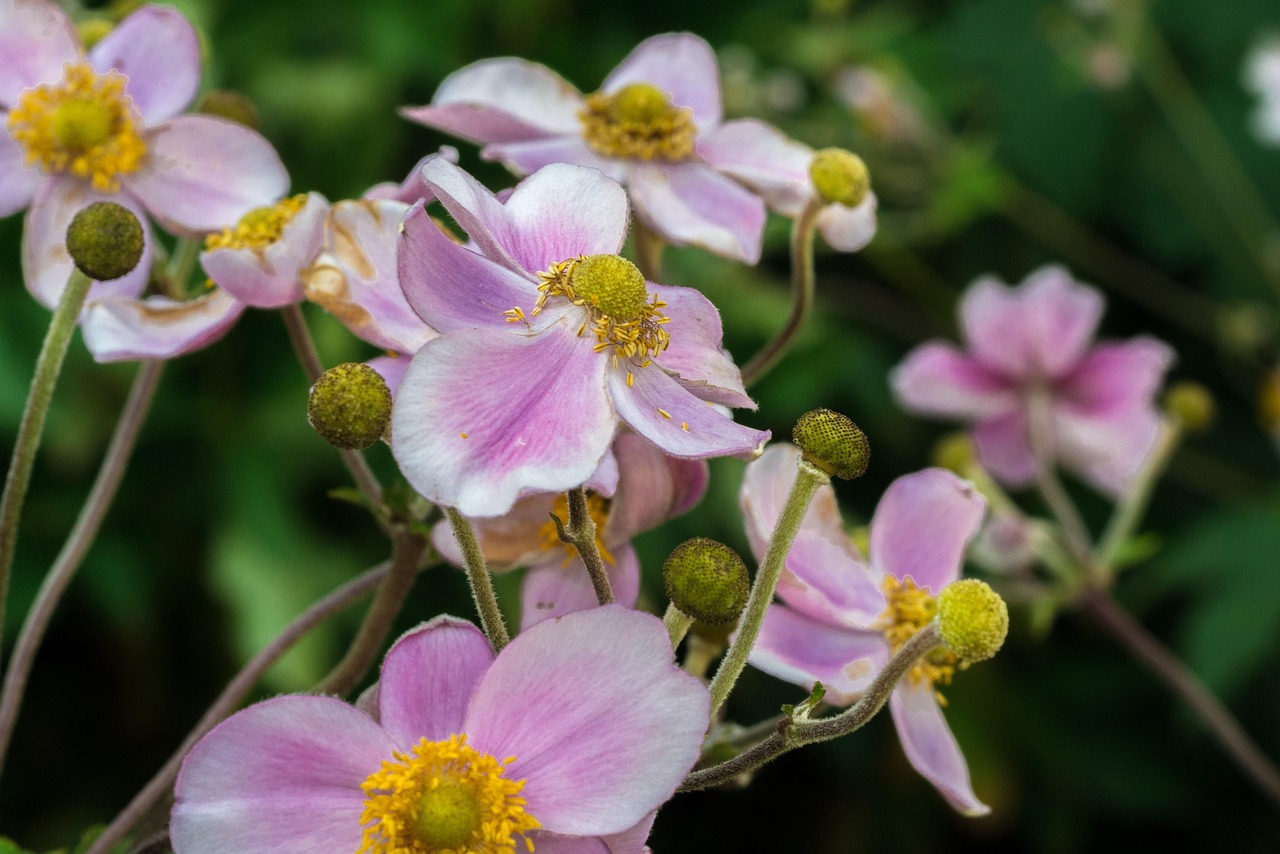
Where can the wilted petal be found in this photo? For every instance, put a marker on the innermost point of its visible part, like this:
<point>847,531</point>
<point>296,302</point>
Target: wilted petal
<point>694,353</point>
<point>18,182</point>
<point>937,379</point>
<point>157,49</point>
<point>1004,448</point>
<point>554,588</point>
<point>119,329</point>
<point>267,277</point>
<point>203,172</point>
<point>652,487</point>
<point>680,63</point>
<point>922,526</point>
<point>483,414</point>
<point>931,748</point>
<point>801,650</point>
<point>849,229</point>
<point>36,40</point>
<point>689,203</point>
<point>573,674</point>
<point>763,158</point>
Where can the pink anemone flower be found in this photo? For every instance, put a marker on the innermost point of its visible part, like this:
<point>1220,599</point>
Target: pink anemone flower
<point>1033,346</point>
<point>579,729</point>
<point>843,615</point>
<point>84,127</point>
<point>651,488</point>
<point>549,342</point>
<point>653,126</point>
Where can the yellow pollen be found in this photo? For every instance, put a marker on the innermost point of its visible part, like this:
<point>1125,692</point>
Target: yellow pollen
<point>909,609</point>
<point>664,413</point>
<point>636,332</point>
<point>84,124</point>
<point>597,509</point>
<point>464,435</point>
<point>638,121</point>
<point>259,228</point>
<point>444,797</point>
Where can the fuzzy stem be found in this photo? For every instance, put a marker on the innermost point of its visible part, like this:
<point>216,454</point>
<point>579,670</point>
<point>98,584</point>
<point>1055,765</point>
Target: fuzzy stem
<point>77,545</point>
<point>581,532</point>
<point>481,584</point>
<point>677,623</point>
<point>648,248</point>
<point>802,288</point>
<point>159,785</point>
<point>48,366</point>
<point>807,481</point>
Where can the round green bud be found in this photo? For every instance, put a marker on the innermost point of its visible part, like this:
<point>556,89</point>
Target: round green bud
<point>105,240</point>
<point>706,580</point>
<point>833,443</point>
<point>840,177</point>
<point>955,452</point>
<point>94,30</point>
<point>1192,404</point>
<point>972,619</point>
<point>611,284</point>
<point>639,102</point>
<point>229,105</point>
<point>350,406</point>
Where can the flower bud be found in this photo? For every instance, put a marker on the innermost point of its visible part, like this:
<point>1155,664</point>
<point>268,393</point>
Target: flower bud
<point>229,105</point>
<point>706,580</point>
<point>833,443</point>
<point>839,177</point>
<point>1192,404</point>
<point>972,619</point>
<point>350,406</point>
<point>105,240</point>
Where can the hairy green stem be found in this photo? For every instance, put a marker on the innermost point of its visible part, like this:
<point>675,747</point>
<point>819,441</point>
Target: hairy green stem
<point>581,532</point>
<point>481,584</point>
<point>677,623</point>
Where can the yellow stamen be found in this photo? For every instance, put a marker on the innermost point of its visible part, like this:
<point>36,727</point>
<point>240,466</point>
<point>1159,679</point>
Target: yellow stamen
<point>664,413</point>
<point>597,509</point>
<point>84,124</point>
<point>638,121</point>
<point>260,227</point>
<point>909,609</point>
<point>444,797</point>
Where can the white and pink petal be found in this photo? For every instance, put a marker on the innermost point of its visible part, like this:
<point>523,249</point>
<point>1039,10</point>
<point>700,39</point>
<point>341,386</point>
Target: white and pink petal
<point>922,526</point>
<point>931,748</point>
<point>121,329</point>
<point>558,586</point>
<point>683,65</point>
<point>691,204</point>
<point>268,277</point>
<point>36,40</point>
<point>801,650</point>
<point>156,48</point>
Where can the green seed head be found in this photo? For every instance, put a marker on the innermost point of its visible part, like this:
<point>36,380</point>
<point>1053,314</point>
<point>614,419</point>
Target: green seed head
<point>229,105</point>
<point>706,580</point>
<point>840,177</point>
<point>640,103</point>
<point>448,816</point>
<point>611,284</point>
<point>105,240</point>
<point>833,443</point>
<point>349,406</point>
<point>973,619</point>
<point>1192,404</point>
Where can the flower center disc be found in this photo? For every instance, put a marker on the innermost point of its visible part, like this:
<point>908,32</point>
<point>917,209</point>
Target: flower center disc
<point>909,609</point>
<point>259,228</point>
<point>84,124</point>
<point>638,121</point>
<point>444,797</point>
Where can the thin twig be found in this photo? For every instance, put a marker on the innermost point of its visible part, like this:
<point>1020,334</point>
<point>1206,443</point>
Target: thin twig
<point>581,533</point>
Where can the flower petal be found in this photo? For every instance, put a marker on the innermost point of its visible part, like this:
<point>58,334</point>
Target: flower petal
<point>1004,448</point>
<point>937,379</point>
<point>268,277</point>
<point>606,725</point>
<point>652,487</point>
<point>801,650</point>
<point>689,203</point>
<point>391,369</point>
<point>428,677</point>
<point>922,526</point>
<point>280,777</point>
<point>849,229</point>
<point>931,748</point>
<point>36,40</point>
<point>502,100</point>
<point>695,353</point>
<point>553,589</point>
<point>1106,449</point>
<point>528,156</point>
<point>660,409</point>
<point>563,211</point>
<point>202,173</point>
<point>763,158</point>
<point>1061,317</point>
<point>1115,377</point>
<point>157,49</point>
<point>682,64</point>
<point>18,181</point>
<point>120,329</point>
<point>483,414</point>
<point>412,188</point>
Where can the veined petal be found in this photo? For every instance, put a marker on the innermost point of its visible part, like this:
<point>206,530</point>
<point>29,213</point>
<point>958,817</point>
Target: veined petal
<point>120,329</point>
<point>695,353</point>
<point>412,188</point>
<point>607,727</point>
<point>428,677</point>
<point>652,487</point>
<point>553,589</point>
<point>203,172</point>
<point>922,526</point>
<point>682,64</point>
<point>849,229</point>
<point>1004,447</point>
<point>477,211</point>
<point>938,379</point>
<point>660,409</point>
<point>502,100</point>
<point>483,414</point>
<point>530,155</point>
<point>268,277</point>
<point>931,748</point>
<point>563,211</point>
<point>157,49</point>
<point>690,203</point>
<point>280,777</point>
<point>36,40</point>
<point>18,182</point>
<point>801,650</point>
<point>763,158</point>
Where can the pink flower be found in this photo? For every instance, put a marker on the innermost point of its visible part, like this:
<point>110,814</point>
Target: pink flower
<point>650,488</point>
<point>105,125</point>
<point>1031,345</point>
<point>844,615</point>
<point>549,342</point>
<point>653,126</point>
<point>579,729</point>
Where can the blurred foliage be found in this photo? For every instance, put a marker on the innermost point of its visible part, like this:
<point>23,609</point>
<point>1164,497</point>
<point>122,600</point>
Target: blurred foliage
<point>1022,132</point>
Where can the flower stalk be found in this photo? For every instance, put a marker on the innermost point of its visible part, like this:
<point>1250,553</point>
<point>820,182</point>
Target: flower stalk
<point>495,629</point>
